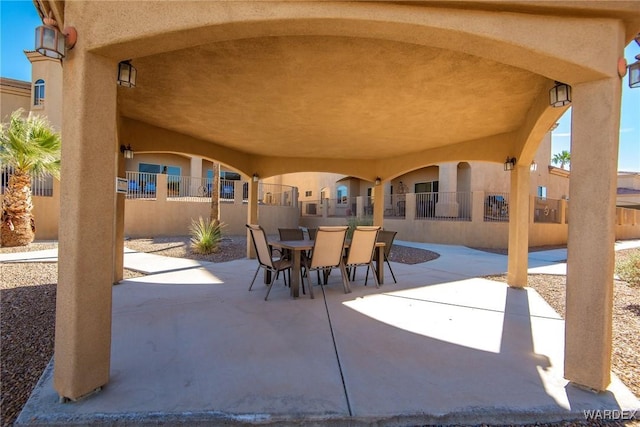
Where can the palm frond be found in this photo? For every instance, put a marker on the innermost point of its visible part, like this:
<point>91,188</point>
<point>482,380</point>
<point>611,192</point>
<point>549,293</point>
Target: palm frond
<point>30,144</point>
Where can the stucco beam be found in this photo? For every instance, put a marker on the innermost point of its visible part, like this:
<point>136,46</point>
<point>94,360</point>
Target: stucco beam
<point>146,137</point>
<point>271,166</point>
<point>490,149</point>
<point>539,119</point>
<point>567,48</point>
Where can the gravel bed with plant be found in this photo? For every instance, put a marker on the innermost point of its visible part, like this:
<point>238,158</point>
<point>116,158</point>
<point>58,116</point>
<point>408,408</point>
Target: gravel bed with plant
<point>27,307</point>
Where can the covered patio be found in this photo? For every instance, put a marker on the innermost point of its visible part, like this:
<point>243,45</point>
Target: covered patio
<point>368,89</point>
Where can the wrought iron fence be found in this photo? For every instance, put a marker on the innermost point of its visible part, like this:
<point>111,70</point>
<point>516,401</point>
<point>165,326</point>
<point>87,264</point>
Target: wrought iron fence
<point>496,207</point>
<point>141,185</point>
<point>275,194</point>
<point>41,185</point>
<point>196,189</point>
<point>395,206</point>
<point>343,207</point>
<point>311,208</point>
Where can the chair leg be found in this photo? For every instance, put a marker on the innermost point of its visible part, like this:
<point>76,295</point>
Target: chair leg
<point>254,278</point>
<point>273,279</point>
<point>310,286</point>
<point>390,269</point>
<point>345,279</point>
<point>366,278</point>
<point>375,276</point>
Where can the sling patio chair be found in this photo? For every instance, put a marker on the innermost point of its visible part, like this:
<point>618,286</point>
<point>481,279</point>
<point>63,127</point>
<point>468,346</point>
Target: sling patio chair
<point>387,237</point>
<point>327,253</point>
<point>266,260</point>
<point>361,250</point>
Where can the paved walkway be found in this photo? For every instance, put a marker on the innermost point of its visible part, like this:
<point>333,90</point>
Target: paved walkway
<point>190,346</point>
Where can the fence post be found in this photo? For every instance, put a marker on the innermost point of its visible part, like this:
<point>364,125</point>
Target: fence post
<point>532,208</point>
<point>477,206</point>
<point>410,206</point>
<point>563,211</point>
<point>161,187</point>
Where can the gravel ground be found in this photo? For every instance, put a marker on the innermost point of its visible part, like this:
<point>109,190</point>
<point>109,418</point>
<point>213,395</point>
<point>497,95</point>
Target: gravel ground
<point>27,314</point>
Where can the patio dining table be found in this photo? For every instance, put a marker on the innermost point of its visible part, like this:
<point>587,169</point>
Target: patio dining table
<point>297,246</point>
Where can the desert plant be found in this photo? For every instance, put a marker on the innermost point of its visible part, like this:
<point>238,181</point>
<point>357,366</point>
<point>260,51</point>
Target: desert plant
<point>354,221</point>
<point>31,147</point>
<point>206,235</point>
<point>628,267</point>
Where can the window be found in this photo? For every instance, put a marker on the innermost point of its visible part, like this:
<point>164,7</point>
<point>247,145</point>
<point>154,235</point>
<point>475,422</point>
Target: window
<point>426,187</point>
<point>38,92</point>
<point>542,192</point>
<point>149,168</point>
<point>342,194</point>
<point>308,193</point>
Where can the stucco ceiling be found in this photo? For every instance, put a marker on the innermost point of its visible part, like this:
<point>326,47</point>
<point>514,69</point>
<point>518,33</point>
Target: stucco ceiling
<point>329,96</point>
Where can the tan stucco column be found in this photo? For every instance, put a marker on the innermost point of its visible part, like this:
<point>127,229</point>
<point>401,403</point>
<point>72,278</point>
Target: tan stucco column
<point>87,225</point>
<point>518,226</point>
<point>590,262</point>
<point>118,247</point>
<point>447,206</point>
<point>378,204</point>
<point>252,214</point>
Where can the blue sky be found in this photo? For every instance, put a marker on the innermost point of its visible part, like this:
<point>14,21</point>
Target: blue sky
<point>19,20</point>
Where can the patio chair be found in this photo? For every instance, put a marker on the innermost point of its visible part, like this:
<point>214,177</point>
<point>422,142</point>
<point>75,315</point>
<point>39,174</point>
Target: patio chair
<point>327,254</point>
<point>291,233</point>
<point>387,238</point>
<point>312,233</point>
<point>265,257</point>
<point>361,250</point>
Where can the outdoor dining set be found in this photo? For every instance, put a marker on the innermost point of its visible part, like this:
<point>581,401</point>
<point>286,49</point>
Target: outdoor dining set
<point>298,252</point>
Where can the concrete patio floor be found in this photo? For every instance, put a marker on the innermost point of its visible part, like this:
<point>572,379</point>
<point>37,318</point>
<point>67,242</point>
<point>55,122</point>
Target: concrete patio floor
<point>191,346</point>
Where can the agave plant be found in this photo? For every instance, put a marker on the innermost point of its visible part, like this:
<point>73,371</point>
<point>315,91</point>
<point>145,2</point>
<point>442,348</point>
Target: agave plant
<point>206,235</point>
<point>30,147</point>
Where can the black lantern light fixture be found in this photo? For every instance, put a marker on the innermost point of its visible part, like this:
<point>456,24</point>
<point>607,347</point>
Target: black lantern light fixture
<point>560,95</point>
<point>509,164</point>
<point>378,180</point>
<point>534,166</point>
<point>52,42</point>
<point>256,178</point>
<point>127,74</point>
<point>634,69</point>
<point>126,151</point>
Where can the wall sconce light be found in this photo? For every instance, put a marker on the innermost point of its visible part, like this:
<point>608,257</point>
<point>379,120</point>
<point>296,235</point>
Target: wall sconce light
<point>534,166</point>
<point>127,151</point>
<point>634,69</point>
<point>378,180</point>
<point>51,42</point>
<point>256,178</point>
<point>509,164</point>
<point>127,74</point>
<point>560,95</point>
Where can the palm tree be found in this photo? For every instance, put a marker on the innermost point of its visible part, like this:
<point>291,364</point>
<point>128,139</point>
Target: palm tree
<point>564,158</point>
<point>30,147</point>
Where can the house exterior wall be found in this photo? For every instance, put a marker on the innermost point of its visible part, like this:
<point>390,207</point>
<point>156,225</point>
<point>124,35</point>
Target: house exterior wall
<point>49,70</point>
<point>14,94</point>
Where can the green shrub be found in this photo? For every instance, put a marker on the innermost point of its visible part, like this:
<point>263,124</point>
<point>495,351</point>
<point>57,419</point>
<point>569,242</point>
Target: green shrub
<point>206,235</point>
<point>353,222</point>
<point>628,267</point>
